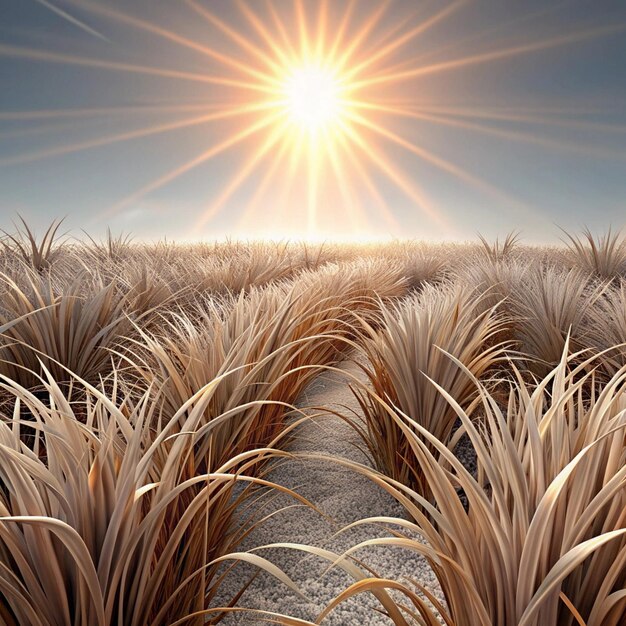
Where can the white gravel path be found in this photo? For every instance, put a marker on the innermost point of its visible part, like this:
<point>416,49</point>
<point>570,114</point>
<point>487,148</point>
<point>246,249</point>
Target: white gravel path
<point>343,495</point>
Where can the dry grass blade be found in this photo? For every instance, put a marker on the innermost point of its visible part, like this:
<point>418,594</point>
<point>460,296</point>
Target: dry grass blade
<point>604,256</point>
<point>405,353</point>
<point>423,615</point>
<point>546,509</point>
<point>96,530</point>
<point>500,251</point>
<point>38,254</point>
<point>64,331</point>
<point>551,306</point>
<point>607,328</point>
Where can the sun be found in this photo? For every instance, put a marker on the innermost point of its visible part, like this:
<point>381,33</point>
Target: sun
<point>313,97</point>
<point>317,100</point>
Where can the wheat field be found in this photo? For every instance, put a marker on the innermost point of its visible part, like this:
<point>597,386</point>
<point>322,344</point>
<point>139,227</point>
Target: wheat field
<point>152,394</point>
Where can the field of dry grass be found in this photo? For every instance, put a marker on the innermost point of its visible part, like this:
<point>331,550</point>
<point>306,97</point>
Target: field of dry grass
<point>148,392</point>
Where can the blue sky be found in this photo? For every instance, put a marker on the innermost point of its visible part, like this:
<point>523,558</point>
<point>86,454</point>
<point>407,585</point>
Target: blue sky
<point>519,122</point>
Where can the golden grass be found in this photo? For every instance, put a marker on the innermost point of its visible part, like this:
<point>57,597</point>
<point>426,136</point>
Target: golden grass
<point>549,306</point>
<point>406,355</point>
<point>543,538</point>
<point>65,330</point>
<point>106,520</point>
<point>39,255</point>
<point>148,387</point>
<point>603,256</point>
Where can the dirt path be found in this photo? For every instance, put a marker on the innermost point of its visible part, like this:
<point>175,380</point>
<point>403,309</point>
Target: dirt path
<point>343,495</point>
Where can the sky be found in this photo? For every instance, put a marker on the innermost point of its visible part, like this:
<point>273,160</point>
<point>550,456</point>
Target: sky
<point>314,119</point>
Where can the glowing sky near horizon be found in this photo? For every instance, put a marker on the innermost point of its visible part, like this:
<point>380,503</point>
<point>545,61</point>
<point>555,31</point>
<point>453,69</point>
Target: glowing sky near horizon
<point>347,119</point>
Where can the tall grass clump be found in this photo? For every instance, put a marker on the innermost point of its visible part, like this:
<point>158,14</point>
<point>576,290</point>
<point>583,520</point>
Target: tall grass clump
<point>498,284</point>
<point>367,279</point>
<point>550,306</point>
<point>499,251</point>
<point>62,329</point>
<point>233,267</point>
<point>422,268</point>
<point>251,350</point>
<point>608,328</point>
<point>114,248</point>
<point>39,255</point>
<point>406,354</point>
<point>603,256</point>
<point>543,539</point>
<point>107,520</point>
<point>267,346</point>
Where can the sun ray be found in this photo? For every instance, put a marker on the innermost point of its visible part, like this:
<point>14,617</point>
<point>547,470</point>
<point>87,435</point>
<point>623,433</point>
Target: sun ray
<point>189,165</point>
<point>134,134</point>
<point>525,137</point>
<point>556,109</point>
<point>568,108</point>
<point>305,44</point>
<point>286,54</point>
<point>42,114</point>
<point>442,164</point>
<point>409,189</point>
<point>37,130</point>
<point>344,189</point>
<point>451,119</point>
<point>33,54</point>
<point>244,43</point>
<point>402,40</point>
<point>341,30</point>
<point>362,35</point>
<point>72,20</point>
<point>458,43</point>
<point>297,146</point>
<point>146,26</point>
<point>255,199</point>
<point>494,55</point>
<point>241,176</point>
<point>528,118</point>
<point>322,25</point>
<point>393,31</point>
<point>371,188</point>
<point>313,183</point>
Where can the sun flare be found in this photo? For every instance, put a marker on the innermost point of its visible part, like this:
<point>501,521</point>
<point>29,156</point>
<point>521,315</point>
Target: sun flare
<point>322,104</point>
<point>313,97</point>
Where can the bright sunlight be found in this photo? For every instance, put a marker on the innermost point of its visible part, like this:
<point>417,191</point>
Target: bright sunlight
<point>322,101</point>
<point>313,95</point>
